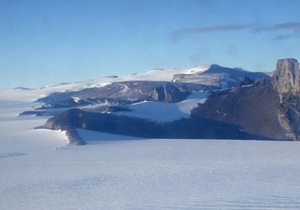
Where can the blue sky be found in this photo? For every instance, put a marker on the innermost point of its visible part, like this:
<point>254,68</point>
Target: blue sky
<point>44,42</point>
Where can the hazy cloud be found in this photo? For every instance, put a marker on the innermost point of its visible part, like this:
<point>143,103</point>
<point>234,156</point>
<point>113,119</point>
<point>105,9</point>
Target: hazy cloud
<point>213,28</point>
<point>185,31</point>
<point>282,26</point>
<point>292,27</point>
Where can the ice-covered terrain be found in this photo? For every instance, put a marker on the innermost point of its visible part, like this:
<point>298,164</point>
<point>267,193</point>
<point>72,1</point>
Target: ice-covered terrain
<point>39,170</point>
<point>152,75</point>
<point>165,112</point>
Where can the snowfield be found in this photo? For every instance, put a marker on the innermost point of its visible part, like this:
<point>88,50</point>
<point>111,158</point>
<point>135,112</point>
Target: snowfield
<point>165,112</point>
<point>39,170</point>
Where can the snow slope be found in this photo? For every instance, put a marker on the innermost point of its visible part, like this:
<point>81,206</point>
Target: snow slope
<point>40,171</point>
<point>153,75</point>
<point>165,112</point>
<point>164,75</point>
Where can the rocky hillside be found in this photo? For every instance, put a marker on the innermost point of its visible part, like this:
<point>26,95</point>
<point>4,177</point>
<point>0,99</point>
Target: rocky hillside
<point>267,108</point>
<point>286,81</point>
<point>252,107</point>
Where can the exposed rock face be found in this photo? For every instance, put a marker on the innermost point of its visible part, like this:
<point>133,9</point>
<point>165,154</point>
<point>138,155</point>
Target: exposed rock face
<point>290,112</point>
<point>286,78</point>
<point>252,107</point>
<point>268,108</point>
<point>169,93</point>
<point>286,81</point>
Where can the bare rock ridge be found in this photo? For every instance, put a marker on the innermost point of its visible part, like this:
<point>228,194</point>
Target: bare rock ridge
<point>286,81</point>
<point>267,108</point>
<point>286,78</point>
<point>169,93</point>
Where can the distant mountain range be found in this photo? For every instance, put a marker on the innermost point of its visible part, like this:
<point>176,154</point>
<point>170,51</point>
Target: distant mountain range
<point>211,102</point>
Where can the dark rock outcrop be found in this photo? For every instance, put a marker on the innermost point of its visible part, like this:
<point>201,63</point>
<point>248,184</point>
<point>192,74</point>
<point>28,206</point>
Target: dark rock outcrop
<point>268,108</point>
<point>286,81</point>
<point>193,128</point>
<point>253,108</point>
<point>286,78</point>
<point>169,93</point>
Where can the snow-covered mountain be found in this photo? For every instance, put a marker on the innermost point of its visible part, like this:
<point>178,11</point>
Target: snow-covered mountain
<point>128,89</point>
<point>157,97</point>
<point>188,107</point>
<point>227,102</point>
<point>203,75</point>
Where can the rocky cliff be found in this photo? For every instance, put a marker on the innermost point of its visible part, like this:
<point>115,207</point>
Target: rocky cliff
<point>286,78</point>
<point>169,93</point>
<point>286,81</point>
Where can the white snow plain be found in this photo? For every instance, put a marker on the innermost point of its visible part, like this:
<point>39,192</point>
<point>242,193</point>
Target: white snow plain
<point>39,170</point>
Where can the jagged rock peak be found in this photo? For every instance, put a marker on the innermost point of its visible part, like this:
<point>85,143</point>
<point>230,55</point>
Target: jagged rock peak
<point>286,77</point>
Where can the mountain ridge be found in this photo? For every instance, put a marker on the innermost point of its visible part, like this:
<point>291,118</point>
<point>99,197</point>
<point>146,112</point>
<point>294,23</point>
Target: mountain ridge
<point>246,109</point>
<point>209,101</point>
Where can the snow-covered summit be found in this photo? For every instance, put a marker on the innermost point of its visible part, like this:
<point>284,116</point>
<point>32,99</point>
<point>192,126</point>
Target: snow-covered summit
<point>152,75</point>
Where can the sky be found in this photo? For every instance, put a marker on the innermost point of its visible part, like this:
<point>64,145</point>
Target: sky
<point>44,42</point>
